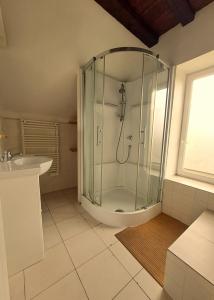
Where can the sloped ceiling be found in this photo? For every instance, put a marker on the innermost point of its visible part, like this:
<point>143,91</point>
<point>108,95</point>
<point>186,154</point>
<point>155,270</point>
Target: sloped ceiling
<point>47,42</point>
<point>149,19</point>
<point>49,39</point>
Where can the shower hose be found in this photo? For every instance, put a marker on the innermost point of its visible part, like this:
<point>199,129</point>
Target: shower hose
<point>119,140</point>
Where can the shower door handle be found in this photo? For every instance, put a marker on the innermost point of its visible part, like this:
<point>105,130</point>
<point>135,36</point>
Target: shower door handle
<point>142,132</point>
<point>99,135</point>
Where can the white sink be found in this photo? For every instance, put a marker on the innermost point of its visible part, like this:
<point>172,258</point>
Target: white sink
<point>43,162</point>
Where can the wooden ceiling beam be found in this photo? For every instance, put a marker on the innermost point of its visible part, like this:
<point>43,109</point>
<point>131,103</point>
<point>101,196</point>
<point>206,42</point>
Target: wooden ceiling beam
<point>121,11</point>
<point>182,11</point>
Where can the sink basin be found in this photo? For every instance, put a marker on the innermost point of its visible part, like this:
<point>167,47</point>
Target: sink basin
<point>43,162</point>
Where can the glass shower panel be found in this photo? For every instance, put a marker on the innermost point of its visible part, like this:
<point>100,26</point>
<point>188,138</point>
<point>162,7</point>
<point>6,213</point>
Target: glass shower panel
<point>98,128</point>
<point>143,193</point>
<point>124,123</point>
<point>123,86</point>
<point>88,117</point>
<point>93,130</point>
<point>156,167</point>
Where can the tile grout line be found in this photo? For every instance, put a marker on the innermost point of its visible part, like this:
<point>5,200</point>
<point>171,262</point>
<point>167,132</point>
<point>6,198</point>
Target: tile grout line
<point>76,234</point>
<point>100,252</point>
<point>51,285</point>
<point>49,209</point>
<point>75,268</point>
<point>23,271</point>
<point>121,262</point>
<point>121,289</point>
<point>25,292</point>
<point>108,247</point>
<point>140,286</point>
<point>132,277</point>
<point>70,257</point>
<point>41,260</point>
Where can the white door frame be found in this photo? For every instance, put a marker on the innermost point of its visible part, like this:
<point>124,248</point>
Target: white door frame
<point>4,285</point>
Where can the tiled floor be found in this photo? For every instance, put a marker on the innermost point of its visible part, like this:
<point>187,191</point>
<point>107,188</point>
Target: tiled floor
<point>83,260</point>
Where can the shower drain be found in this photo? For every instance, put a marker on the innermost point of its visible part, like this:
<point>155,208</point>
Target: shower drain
<point>119,210</point>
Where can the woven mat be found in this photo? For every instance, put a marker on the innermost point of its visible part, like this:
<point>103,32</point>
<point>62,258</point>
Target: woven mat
<point>149,242</point>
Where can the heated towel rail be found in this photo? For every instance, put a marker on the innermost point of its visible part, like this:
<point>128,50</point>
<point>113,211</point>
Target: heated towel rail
<point>42,138</point>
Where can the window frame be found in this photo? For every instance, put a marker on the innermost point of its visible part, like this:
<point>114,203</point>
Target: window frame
<point>181,171</point>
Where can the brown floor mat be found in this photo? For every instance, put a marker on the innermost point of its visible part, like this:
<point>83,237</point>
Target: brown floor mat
<point>149,242</point>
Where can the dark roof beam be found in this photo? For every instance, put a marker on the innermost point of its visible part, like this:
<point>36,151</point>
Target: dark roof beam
<point>182,11</point>
<point>121,11</point>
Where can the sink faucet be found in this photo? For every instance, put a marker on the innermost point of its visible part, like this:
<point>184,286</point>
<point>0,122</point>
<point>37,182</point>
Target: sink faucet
<point>7,156</point>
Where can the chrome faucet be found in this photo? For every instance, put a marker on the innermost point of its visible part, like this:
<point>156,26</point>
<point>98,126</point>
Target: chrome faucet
<point>7,156</point>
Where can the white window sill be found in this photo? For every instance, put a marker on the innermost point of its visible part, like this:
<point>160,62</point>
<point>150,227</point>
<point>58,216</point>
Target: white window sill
<point>193,183</point>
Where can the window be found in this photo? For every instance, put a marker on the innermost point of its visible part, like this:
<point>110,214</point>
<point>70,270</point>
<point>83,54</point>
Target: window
<point>196,155</point>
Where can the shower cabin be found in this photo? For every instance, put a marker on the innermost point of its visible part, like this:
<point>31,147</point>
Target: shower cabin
<point>124,115</point>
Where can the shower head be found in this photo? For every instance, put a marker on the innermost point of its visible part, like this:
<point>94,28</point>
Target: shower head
<point>122,91</point>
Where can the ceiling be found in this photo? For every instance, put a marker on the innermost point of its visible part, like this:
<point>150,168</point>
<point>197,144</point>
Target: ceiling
<point>149,19</point>
<point>48,40</point>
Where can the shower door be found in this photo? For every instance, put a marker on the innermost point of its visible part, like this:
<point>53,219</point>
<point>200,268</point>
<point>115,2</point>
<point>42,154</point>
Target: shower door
<point>93,130</point>
<point>151,131</point>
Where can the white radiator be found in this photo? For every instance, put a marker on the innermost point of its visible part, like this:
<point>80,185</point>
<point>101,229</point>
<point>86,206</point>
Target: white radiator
<point>41,138</point>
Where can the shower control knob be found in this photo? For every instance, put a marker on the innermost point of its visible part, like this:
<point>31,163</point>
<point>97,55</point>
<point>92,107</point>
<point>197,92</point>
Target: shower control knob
<point>130,137</point>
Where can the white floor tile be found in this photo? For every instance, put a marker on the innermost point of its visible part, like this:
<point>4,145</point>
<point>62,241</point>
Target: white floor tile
<point>79,207</point>
<point>103,276</point>
<point>126,259</point>
<point>107,233</point>
<point>71,227</point>
<point>131,291</point>
<point>70,194</point>
<point>210,201</point>
<point>91,221</point>
<point>17,288</point>
<point>69,288</point>
<point>51,236</point>
<point>150,286</point>
<point>63,213</point>
<point>47,220</point>
<point>44,206</point>
<point>52,268</point>
<point>54,201</point>
<point>84,246</point>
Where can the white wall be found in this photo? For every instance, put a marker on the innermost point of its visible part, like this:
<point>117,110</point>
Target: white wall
<point>12,129</point>
<point>47,41</point>
<point>67,177</point>
<point>183,43</point>
<point>186,200</point>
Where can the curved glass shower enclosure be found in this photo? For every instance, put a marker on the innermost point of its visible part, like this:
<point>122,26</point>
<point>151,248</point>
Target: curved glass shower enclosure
<point>124,121</point>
